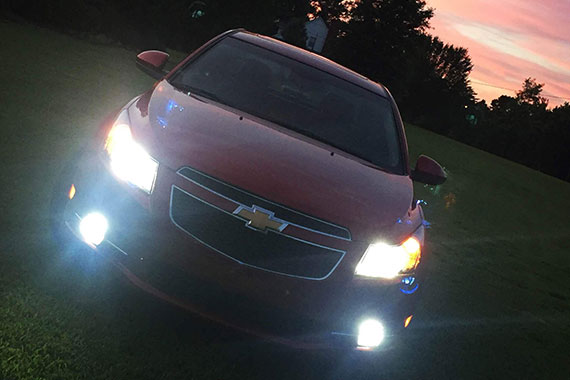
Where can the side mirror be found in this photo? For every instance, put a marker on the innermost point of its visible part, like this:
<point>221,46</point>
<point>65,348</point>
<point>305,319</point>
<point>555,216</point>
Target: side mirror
<point>428,171</point>
<point>152,62</point>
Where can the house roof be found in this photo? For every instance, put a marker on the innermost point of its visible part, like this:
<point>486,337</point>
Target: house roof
<point>320,20</point>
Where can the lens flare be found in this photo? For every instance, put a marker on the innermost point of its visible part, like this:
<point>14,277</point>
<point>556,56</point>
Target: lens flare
<point>71,192</point>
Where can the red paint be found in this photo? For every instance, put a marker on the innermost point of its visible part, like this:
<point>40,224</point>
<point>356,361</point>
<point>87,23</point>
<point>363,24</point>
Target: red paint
<point>154,58</point>
<point>284,167</point>
<point>274,163</point>
<point>427,170</point>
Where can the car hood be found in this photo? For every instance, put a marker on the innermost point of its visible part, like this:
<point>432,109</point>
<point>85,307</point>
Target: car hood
<point>272,162</point>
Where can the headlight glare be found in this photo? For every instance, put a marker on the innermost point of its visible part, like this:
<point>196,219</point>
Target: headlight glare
<point>370,334</point>
<point>93,228</point>
<point>128,160</point>
<point>387,261</point>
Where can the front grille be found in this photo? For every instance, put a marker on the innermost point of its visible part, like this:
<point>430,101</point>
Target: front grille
<point>226,234</point>
<point>245,198</point>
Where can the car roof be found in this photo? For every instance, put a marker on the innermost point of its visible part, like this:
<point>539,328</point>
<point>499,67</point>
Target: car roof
<point>310,59</point>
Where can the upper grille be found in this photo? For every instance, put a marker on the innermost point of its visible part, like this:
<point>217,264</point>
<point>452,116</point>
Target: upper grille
<point>245,198</point>
<point>271,250</point>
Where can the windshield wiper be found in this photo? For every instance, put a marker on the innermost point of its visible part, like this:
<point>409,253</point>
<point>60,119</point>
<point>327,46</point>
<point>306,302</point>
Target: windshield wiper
<point>315,136</point>
<point>195,91</point>
<point>191,90</point>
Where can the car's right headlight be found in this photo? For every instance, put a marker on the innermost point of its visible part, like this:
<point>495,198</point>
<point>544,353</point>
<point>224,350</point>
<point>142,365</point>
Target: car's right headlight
<point>128,160</point>
<point>388,261</point>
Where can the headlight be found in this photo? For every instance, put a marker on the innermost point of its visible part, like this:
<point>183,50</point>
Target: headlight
<point>387,261</point>
<point>128,160</point>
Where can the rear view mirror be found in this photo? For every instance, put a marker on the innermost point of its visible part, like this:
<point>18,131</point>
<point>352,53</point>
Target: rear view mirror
<point>152,62</point>
<point>428,171</point>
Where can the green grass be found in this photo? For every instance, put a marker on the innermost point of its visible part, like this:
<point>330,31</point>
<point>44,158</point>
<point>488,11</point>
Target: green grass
<point>496,303</point>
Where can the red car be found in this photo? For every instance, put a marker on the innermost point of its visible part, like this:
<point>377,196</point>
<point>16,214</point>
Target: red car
<point>260,186</point>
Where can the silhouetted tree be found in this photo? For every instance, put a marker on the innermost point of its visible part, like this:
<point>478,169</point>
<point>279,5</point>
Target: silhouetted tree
<point>522,129</point>
<point>530,93</point>
<point>378,36</point>
<point>437,92</point>
<point>559,142</point>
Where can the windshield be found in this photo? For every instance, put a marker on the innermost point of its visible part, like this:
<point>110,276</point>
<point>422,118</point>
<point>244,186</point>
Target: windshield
<point>296,96</point>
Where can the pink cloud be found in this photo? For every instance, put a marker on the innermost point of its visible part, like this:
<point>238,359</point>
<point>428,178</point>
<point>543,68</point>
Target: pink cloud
<point>509,41</point>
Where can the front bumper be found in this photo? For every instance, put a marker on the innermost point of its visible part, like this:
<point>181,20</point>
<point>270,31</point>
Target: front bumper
<point>159,258</point>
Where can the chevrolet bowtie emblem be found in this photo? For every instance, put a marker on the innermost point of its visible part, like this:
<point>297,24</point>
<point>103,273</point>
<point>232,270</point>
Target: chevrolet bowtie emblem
<point>260,219</point>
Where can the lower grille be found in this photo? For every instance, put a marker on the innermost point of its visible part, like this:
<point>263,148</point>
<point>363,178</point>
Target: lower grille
<point>271,251</point>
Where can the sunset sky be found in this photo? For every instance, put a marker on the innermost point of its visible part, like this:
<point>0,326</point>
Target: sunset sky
<point>509,40</point>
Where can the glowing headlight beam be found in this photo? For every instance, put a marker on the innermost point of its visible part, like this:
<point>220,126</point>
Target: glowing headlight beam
<point>128,160</point>
<point>387,261</point>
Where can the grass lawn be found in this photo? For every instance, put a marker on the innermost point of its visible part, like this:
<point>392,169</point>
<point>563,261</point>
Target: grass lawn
<point>497,303</point>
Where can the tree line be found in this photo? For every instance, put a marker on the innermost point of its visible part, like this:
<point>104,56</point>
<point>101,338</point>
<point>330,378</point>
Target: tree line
<point>522,129</point>
<point>388,41</point>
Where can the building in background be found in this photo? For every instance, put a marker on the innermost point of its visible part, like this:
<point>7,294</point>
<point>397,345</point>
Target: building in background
<point>316,31</point>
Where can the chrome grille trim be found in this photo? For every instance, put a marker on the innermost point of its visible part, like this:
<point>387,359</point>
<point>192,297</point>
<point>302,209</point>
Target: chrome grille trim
<point>341,252</point>
<point>348,236</point>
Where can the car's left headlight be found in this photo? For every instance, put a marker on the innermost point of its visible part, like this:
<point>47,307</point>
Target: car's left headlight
<point>387,261</point>
<point>128,159</point>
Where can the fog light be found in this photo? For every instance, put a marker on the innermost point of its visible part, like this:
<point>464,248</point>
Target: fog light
<point>93,228</point>
<point>370,334</point>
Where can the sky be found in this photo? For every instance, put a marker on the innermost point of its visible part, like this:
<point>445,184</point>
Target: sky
<point>508,41</point>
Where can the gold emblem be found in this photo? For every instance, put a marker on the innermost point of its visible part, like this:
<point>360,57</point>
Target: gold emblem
<point>260,219</point>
